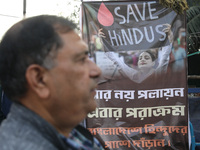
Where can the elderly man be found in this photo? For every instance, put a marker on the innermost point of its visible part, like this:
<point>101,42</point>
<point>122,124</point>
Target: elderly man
<point>46,72</point>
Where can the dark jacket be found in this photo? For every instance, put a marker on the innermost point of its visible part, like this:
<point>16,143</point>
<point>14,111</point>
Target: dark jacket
<point>25,130</point>
<point>5,105</point>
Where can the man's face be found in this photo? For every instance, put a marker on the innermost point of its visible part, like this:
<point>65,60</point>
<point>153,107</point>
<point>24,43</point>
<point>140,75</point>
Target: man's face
<point>72,82</point>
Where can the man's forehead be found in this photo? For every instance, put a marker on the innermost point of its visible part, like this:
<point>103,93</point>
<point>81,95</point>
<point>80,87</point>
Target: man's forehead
<point>70,37</point>
<point>73,42</point>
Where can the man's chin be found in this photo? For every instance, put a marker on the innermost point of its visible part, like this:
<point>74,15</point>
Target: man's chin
<point>91,106</point>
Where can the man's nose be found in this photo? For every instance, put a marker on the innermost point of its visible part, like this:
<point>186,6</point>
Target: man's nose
<point>95,71</point>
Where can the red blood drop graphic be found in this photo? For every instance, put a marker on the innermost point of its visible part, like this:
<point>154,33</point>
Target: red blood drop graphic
<point>104,16</point>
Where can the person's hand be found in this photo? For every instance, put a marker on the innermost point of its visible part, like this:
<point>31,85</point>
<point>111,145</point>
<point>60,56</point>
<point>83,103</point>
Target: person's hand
<point>107,46</point>
<point>169,32</point>
<point>101,34</point>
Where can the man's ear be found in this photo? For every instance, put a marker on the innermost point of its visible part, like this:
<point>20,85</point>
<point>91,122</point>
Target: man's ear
<point>36,77</point>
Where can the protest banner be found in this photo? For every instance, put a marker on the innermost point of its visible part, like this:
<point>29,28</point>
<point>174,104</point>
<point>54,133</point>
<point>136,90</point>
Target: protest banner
<point>142,95</point>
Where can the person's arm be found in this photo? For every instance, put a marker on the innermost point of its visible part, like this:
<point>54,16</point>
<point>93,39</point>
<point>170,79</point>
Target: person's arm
<point>164,60</point>
<point>166,50</point>
<point>124,69</point>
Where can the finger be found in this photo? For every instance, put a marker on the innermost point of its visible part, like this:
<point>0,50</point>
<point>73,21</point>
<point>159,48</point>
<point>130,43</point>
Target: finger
<point>168,25</point>
<point>166,30</point>
<point>101,34</point>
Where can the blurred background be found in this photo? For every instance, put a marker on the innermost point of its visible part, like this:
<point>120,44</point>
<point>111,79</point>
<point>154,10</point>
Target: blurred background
<point>12,11</point>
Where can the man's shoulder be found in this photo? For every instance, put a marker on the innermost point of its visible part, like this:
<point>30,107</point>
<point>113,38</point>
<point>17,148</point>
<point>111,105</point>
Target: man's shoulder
<point>25,143</point>
<point>17,133</point>
<point>14,137</point>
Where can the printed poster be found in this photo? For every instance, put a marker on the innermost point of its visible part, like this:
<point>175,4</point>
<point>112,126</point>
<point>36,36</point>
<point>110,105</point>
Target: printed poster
<point>140,47</point>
